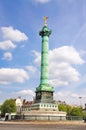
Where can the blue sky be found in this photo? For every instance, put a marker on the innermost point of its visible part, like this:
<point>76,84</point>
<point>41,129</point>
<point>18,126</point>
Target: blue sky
<point>20,47</point>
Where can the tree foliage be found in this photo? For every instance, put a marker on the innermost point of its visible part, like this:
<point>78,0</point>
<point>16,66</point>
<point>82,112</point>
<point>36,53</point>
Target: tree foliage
<point>8,106</point>
<point>0,107</point>
<point>65,108</point>
<point>71,111</point>
<point>62,107</point>
<point>76,111</point>
<point>84,112</point>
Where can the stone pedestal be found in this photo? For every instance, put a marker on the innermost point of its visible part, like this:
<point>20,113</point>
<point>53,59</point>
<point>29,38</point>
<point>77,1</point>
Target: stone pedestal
<point>44,112</point>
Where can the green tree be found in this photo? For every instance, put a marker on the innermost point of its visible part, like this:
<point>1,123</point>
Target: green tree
<point>77,111</point>
<point>0,107</point>
<point>68,110</point>
<point>84,112</point>
<point>62,107</point>
<point>65,108</point>
<point>8,106</point>
<point>0,110</point>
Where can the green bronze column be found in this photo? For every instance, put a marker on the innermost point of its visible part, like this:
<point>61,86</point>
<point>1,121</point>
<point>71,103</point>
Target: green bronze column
<point>44,55</point>
<point>44,78</point>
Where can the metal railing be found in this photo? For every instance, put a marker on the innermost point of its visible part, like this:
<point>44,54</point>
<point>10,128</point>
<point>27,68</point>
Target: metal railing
<point>47,117</point>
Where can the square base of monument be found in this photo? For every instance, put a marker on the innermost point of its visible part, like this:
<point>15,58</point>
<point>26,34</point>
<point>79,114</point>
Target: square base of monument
<point>44,97</point>
<point>44,111</point>
<point>44,107</point>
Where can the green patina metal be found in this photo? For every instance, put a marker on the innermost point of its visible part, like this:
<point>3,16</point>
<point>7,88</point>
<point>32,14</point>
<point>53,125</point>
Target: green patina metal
<point>44,78</point>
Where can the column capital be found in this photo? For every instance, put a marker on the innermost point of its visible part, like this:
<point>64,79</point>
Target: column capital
<point>45,31</point>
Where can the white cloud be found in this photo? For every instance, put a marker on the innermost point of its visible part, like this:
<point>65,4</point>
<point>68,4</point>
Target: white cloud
<point>27,92</point>
<point>64,74</point>
<point>75,95</point>
<point>5,45</point>
<point>11,75</point>
<point>7,56</point>
<point>12,34</point>
<point>31,68</point>
<point>71,97</point>
<point>66,54</point>
<point>66,96</point>
<point>37,57</point>
<point>42,1</point>
<point>61,61</point>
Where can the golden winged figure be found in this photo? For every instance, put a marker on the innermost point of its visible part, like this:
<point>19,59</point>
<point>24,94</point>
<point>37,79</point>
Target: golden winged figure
<point>45,18</point>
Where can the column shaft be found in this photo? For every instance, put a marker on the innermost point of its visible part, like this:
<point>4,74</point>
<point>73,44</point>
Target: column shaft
<point>44,61</point>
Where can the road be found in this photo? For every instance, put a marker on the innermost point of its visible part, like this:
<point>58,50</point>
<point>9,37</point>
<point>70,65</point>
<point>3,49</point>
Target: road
<point>41,127</point>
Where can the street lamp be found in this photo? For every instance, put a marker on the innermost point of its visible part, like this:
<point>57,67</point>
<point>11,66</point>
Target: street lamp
<point>80,101</point>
